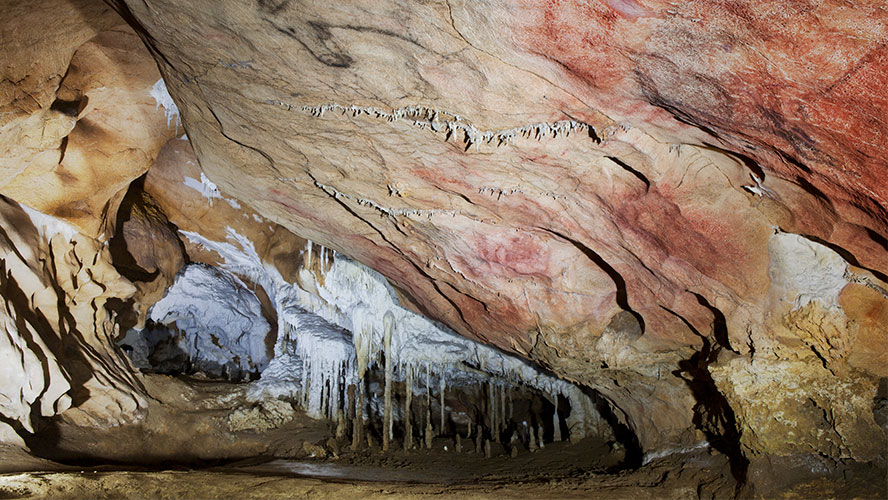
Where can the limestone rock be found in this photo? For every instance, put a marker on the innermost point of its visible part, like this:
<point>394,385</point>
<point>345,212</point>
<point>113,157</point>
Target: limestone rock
<point>215,325</point>
<point>58,333</point>
<point>596,187</point>
<point>73,153</point>
<point>146,249</point>
<point>193,203</point>
<point>270,414</point>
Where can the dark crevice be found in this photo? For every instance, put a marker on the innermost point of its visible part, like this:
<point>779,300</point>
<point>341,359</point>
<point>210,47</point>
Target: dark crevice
<point>69,107</point>
<point>121,258</point>
<point>636,173</point>
<point>877,238</point>
<point>63,148</point>
<point>719,323</point>
<point>622,296</point>
<point>789,159</point>
<point>809,188</point>
<point>713,414</point>
<point>623,434</point>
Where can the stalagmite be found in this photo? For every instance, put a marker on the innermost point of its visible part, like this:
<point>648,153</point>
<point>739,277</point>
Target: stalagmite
<point>556,423</point>
<point>491,409</point>
<point>389,322</point>
<point>358,433</point>
<point>429,435</point>
<point>540,437</point>
<point>442,388</point>
<point>502,412</point>
<point>532,445</point>
<point>486,448</point>
<point>478,439</point>
<point>340,425</point>
<point>408,425</point>
<point>458,443</point>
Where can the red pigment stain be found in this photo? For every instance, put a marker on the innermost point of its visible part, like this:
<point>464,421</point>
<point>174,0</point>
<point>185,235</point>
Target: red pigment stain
<point>629,9</point>
<point>282,199</point>
<point>579,36</point>
<point>521,254</point>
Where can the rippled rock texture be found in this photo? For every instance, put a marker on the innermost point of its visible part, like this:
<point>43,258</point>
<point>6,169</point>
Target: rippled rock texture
<point>598,186</point>
<point>682,207</point>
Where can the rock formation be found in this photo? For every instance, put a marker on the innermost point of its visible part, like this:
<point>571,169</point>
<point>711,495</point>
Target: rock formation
<point>680,208</point>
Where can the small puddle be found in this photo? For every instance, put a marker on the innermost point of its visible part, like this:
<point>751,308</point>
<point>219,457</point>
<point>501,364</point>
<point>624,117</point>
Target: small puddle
<point>348,472</point>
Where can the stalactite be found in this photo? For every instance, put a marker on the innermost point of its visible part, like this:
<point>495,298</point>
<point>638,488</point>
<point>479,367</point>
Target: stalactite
<point>429,435</point>
<point>556,423</point>
<point>387,421</point>
<point>408,425</point>
<point>502,412</point>
<point>307,264</point>
<point>442,388</point>
<point>352,297</point>
<point>491,408</point>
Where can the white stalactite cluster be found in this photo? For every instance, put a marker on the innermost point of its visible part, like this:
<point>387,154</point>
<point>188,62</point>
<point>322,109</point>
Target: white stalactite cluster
<point>450,123</point>
<point>222,330</point>
<point>328,342</point>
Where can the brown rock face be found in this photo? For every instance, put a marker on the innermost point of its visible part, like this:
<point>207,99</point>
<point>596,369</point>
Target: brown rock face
<point>681,207</point>
<point>78,120</point>
<point>607,188</point>
<point>175,182</point>
<point>57,332</point>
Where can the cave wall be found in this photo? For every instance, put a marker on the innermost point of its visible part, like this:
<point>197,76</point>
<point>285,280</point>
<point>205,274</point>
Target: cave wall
<point>594,186</point>
<point>57,342</point>
<point>682,208</point>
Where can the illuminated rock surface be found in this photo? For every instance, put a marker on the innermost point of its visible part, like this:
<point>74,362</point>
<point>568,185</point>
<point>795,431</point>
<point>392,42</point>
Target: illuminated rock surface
<point>673,215</point>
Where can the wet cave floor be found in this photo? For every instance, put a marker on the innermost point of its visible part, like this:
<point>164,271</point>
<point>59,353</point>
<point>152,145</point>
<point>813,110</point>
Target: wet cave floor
<point>184,447</point>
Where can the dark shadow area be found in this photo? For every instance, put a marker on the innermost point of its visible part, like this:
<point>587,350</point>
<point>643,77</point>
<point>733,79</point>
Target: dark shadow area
<point>811,189</point>
<point>638,175</point>
<point>719,322</point>
<point>878,238</point>
<point>121,257</point>
<point>712,413</point>
<point>622,432</point>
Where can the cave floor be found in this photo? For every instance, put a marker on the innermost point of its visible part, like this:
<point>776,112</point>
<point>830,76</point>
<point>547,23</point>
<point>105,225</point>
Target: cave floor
<point>183,447</point>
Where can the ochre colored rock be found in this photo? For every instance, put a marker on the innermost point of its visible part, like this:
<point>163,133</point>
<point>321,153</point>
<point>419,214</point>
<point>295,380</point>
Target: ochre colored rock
<point>681,207</point>
<point>78,120</point>
<point>146,249</point>
<point>174,181</point>
<point>611,189</point>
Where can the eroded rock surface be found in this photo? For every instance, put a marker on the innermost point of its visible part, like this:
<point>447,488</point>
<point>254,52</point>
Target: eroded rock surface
<point>681,207</point>
<point>58,334</point>
<point>594,186</point>
<point>78,120</point>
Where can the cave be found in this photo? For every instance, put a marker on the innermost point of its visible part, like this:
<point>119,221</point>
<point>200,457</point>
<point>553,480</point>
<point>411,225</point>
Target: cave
<point>471,249</point>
